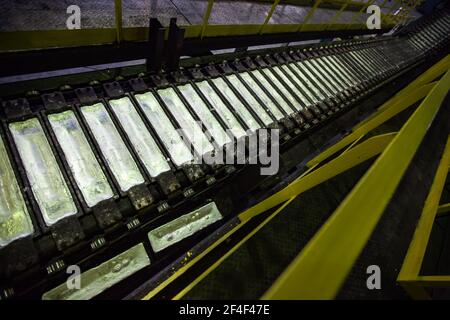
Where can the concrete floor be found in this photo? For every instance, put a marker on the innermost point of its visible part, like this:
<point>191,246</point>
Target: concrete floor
<point>49,14</point>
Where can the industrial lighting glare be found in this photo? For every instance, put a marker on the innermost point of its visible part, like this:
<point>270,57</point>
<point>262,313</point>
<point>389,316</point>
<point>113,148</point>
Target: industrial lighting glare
<point>46,180</point>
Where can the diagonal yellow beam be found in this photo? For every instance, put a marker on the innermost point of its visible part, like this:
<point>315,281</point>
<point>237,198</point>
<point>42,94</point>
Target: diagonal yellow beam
<point>321,268</point>
<point>361,152</point>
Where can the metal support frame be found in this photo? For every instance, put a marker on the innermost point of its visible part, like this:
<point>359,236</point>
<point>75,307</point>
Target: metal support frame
<point>355,154</point>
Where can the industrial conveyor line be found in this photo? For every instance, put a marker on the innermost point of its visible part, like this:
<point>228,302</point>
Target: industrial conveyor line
<point>100,176</point>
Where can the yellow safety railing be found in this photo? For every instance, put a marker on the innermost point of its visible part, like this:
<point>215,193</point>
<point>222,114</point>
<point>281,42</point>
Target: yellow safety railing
<point>21,40</point>
<point>409,277</point>
<point>355,153</point>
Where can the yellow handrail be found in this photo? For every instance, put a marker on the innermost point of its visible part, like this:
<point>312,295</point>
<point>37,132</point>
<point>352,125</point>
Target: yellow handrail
<point>321,268</point>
